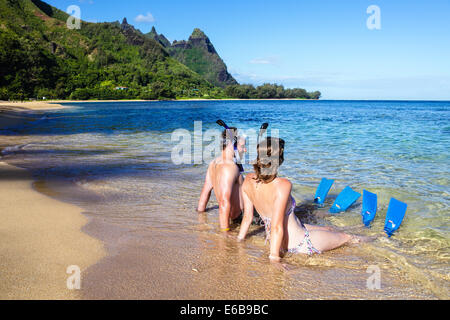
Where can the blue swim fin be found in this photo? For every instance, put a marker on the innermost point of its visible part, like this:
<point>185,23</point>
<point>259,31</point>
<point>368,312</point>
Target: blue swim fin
<point>322,190</point>
<point>369,207</point>
<point>344,200</point>
<point>394,216</point>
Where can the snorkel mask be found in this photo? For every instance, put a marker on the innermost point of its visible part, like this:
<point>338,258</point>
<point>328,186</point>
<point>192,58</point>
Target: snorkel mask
<point>237,158</point>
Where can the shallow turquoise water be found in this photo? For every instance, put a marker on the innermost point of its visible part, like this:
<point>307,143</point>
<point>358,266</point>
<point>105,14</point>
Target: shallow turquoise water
<point>117,156</point>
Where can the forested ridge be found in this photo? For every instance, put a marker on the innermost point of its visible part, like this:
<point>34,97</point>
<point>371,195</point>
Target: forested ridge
<point>41,57</point>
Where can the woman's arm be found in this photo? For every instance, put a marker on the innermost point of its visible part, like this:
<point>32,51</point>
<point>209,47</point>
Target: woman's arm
<point>206,193</point>
<point>283,191</point>
<point>248,216</point>
<point>229,176</point>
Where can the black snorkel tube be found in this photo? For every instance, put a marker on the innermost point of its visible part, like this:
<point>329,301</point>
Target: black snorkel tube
<point>236,152</point>
<point>262,130</point>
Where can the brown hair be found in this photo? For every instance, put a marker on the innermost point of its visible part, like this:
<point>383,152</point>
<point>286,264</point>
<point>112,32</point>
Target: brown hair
<point>270,158</point>
<point>228,136</point>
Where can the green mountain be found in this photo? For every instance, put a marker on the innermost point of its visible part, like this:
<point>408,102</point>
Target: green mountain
<point>199,54</point>
<point>40,56</point>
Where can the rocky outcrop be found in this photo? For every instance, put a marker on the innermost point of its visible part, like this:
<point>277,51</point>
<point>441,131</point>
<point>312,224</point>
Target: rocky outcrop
<point>180,44</point>
<point>137,38</point>
<point>199,54</point>
<point>200,40</point>
<point>132,35</point>
<point>160,38</point>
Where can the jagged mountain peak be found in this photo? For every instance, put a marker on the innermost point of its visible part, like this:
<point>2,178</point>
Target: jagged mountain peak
<point>199,54</point>
<point>197,33</point>
<point>158,37</point>
<point>199,39</point>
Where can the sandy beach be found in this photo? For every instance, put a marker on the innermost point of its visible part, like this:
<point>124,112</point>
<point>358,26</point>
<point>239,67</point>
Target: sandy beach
<point>30,105</point>
<point>40,236</point>
<point>15,113</point>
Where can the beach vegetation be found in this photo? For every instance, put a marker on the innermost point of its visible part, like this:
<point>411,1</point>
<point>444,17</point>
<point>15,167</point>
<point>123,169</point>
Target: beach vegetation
<point>268,91</point>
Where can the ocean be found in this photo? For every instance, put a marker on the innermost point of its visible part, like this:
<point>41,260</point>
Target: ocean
<point>115,160</point>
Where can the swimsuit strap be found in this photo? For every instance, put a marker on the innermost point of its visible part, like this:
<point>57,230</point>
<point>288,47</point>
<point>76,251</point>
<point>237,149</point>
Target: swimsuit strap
<point>294,204</point>
<point>267,225</point>
<point>306,239</point>
<point>267,221</point>
<point>239,165</point>
<point>309,246</point>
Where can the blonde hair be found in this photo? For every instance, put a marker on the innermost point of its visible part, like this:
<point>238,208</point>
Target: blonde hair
<point>270,158</point>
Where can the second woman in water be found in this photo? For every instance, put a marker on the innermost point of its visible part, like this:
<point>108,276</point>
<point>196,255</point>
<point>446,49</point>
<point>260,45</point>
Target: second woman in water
<point>271,196</point>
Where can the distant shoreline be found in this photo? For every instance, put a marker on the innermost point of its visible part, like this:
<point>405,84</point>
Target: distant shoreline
<point>18,106</point>
<point>30,105</point>
<point>56,104</point>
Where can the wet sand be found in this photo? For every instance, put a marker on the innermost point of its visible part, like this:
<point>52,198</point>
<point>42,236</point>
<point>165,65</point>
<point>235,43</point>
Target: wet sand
<point>40,237</point>
<point>197,264</point>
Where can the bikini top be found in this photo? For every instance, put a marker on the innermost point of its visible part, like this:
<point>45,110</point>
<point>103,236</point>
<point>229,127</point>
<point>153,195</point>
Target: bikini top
<point>267,221</point>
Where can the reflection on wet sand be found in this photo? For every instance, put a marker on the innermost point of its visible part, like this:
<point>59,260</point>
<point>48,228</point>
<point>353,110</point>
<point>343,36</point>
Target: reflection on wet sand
<point>233,270</point>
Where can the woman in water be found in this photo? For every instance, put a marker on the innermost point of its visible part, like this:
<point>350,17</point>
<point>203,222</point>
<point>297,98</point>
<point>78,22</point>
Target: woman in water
<point>271,197</point>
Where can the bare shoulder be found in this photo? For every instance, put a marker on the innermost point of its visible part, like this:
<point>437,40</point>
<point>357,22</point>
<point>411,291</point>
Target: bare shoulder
<point>283,184</point>
<point>229,169</point>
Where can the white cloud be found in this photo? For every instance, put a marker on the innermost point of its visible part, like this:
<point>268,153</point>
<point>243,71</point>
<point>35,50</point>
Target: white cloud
<point>267,60</point>
<point>260,61</point>
<point>145,19</point>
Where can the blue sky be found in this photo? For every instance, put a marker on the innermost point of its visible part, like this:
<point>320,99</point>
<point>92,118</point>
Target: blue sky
<point>314,44</point>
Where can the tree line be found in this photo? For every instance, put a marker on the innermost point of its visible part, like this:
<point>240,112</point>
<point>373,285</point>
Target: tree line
<point>268,91</point>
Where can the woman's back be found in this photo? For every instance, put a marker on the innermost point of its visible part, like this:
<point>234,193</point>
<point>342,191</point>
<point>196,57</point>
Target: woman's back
<point>265,195</point>
<point>267,198</point>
